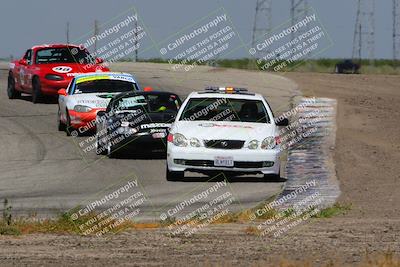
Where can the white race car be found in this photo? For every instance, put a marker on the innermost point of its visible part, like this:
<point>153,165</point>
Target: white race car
<point>224,129</point>
<point>86,95</point>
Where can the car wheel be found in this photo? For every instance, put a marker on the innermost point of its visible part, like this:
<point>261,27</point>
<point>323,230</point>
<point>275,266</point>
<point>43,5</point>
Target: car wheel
<point>100,150</point>
<point>68,127</point>
<point>36,90</point>
<point>273,177</point>
<point>11,92</point>
<point>61,125</point>
<point>111,152</point>
<point>174,176</point>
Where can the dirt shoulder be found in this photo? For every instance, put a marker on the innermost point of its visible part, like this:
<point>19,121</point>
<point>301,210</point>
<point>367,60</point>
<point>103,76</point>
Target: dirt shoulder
<point>368,139</point>
<point>367,163</point>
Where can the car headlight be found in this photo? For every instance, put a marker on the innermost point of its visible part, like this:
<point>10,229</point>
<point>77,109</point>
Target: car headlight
<point>194,142</point>
<point>268,143</point>
<point>82,108</point>
<point>180,140</point>
<point>253,144</point>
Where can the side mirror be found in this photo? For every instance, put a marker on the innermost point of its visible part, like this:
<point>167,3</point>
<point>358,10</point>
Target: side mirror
<point>99,60</point>
<point>62,92</point>
<point>283,122</point>
<point>23,62</point>
<point>101,113</point>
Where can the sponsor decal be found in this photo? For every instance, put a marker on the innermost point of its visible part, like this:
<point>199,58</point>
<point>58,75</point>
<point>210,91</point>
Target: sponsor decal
<point>207,124</point>
<point>72,74</point>
<point>155,125</point>
<point>105,77</point>
<point>62,69</point>
<point>224,125</point>
<point>92,78</point>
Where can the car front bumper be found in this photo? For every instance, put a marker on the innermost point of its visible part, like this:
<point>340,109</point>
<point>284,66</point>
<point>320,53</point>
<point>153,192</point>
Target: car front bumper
<point>84,121</point>
<point>202,159</point>
<point>50,87</point>
<point>137,142</point>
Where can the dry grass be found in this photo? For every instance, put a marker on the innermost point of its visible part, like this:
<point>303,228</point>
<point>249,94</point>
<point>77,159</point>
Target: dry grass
<point>64,225</point>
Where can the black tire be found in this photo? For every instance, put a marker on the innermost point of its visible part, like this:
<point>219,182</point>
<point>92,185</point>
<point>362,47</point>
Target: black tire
<point>61,125</point>
<point>273,177</point>
<point>100,150</point>
<point>174,176</point>
<point>111,152</point>
<point>11,92</point>
<point>36,90</point>
<point>68,127</point>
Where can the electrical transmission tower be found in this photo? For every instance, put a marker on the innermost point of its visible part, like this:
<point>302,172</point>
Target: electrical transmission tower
<point>262,20</point>
<point>364,40</point>
<point>298,11</point>
<point>396,31</point>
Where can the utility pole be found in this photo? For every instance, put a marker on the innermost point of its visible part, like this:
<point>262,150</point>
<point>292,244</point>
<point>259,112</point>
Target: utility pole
<point>67,32</point>
<point>262,20</point>
<point>136,41</point>
<point>396,32</point>
<point>364,31</point>
<point>96,32</point>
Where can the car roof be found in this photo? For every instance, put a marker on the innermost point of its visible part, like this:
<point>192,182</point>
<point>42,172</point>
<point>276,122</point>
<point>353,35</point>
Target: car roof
<point>53,46</point>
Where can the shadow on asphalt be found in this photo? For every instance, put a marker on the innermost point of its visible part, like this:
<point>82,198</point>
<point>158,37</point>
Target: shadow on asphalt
<point>45,100</point>
<point>232,179</point>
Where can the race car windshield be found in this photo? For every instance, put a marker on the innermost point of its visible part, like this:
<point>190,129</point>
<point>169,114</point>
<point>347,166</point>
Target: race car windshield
<point>104,86</point>
<point>224,109</point>
<point>151,103</point>
<point>63,55</point>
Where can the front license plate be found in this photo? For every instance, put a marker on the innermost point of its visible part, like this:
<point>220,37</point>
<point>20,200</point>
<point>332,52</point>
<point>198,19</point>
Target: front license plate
<point>223,161</point>
<point>159,135</point>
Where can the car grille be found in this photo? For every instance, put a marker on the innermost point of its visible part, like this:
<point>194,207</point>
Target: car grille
<point>224,144</point>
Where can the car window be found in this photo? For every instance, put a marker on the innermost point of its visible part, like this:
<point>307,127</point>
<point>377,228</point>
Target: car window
<point>63,55</point>
<point>28,56</point>
<point>149,102</point>
<point>225,109</point>
<point>70,85</point>
<point>104,86</point>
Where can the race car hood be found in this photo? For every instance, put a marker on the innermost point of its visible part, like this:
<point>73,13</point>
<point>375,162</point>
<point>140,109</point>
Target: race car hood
<point>224,130</point>
<point>71,69</point>
<point>93,100</point>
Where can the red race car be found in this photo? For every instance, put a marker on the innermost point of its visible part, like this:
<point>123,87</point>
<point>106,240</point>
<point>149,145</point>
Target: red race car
<point>45,69</point>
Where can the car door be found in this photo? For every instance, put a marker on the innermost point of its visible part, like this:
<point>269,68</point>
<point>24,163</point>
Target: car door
<point>21,70</point>
<point>62,100</point>
<point>29,71</point>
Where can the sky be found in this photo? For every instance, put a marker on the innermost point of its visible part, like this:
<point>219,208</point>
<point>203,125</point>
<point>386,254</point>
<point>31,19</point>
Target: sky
<point>27,23</point>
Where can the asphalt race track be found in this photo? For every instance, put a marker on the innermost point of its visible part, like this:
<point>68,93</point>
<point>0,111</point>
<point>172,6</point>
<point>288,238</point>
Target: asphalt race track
<point>44,172</point>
